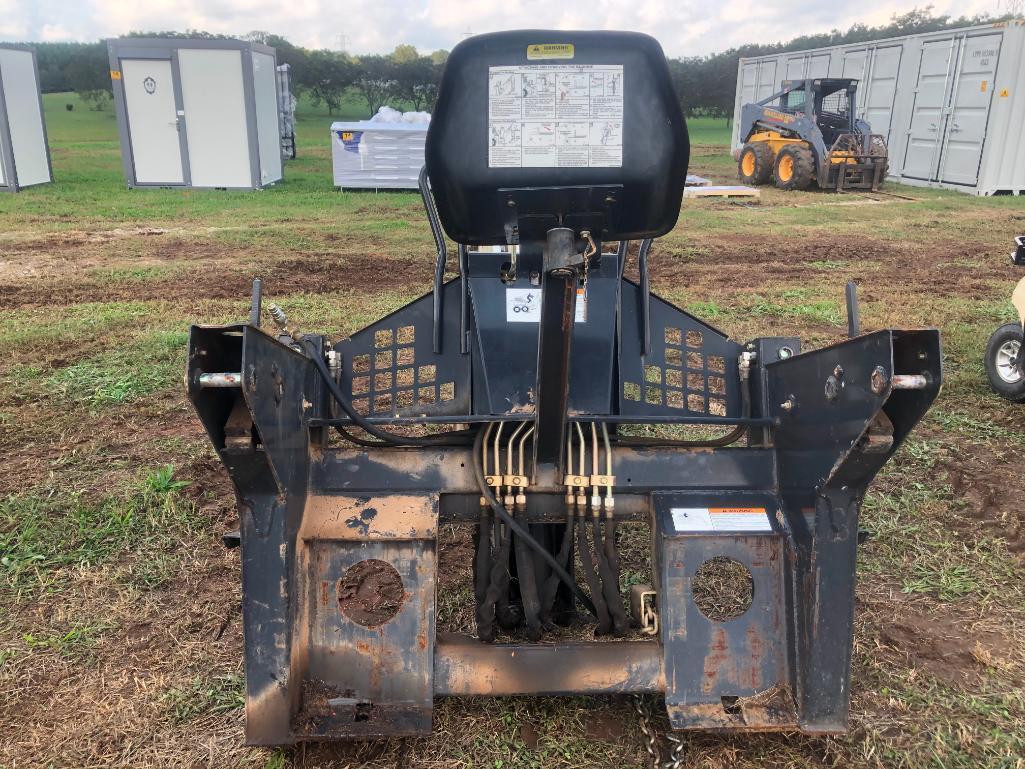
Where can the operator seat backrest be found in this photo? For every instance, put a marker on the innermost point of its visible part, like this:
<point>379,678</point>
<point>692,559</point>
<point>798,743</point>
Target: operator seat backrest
<point>546,128</point>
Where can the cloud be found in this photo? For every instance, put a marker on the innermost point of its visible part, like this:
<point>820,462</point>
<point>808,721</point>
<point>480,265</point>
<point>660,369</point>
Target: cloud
<point>684,27</point>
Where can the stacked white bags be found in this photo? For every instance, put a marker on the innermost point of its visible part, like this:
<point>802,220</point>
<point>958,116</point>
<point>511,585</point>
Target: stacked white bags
<point>385,152</point>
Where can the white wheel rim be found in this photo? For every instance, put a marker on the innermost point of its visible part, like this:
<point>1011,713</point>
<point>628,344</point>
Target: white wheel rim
<point>1006,361</point>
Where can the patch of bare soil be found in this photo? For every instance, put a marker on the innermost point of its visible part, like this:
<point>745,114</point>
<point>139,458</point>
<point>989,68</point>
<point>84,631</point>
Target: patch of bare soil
<point>746,262</point>
<point>946,648</point>
<point>213,276</point>
<point>991,491</point>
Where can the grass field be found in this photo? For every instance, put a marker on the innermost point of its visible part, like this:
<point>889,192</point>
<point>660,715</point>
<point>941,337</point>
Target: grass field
<point>120,638</point>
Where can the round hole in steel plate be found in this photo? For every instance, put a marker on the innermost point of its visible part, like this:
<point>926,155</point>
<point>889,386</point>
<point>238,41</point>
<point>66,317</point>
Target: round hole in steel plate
<point>370,592</point>
<point>722,588</point>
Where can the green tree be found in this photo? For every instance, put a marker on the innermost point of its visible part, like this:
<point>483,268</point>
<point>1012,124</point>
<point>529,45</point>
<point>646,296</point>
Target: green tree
<point>404,54</point>
<point>416,82</point>
<point>326,75</point>
<point>375,80</point>
<point>87,73</point>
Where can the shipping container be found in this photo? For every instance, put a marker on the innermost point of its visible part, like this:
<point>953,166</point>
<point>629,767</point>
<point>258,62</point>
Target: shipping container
<point>24,150</point>
<point>950,104</point>
<point>196,113</point>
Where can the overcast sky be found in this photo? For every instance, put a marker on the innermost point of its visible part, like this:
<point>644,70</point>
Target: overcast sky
<point>684,27</point>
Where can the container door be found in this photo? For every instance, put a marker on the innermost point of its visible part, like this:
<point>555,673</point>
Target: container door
<point>795,68</point>
<point>969,111</point>
<point>854,63</point>
<point>818,66</point>
<point>152,121</point>
<point>749,83</point>
<point>929,112</point>
<point>767,83</point>
<point>216,120</point>
<point>878,90</point>
<point>24,118</point>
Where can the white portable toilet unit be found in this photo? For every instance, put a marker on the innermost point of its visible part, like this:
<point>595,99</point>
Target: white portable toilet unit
<point>24,151</point>
<point>951,104</point>
<point>196,113</point>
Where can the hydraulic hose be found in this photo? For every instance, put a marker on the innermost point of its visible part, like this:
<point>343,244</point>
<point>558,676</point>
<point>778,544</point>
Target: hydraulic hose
<point>516,528</point>
<point>444,439</point>
<point>610,582</point>
<point>551,586</point>
<point>528,589</point>
<point>592,579</point>
<point>482,556</point>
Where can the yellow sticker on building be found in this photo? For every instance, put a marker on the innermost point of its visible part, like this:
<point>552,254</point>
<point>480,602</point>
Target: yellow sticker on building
<point>115,75</point>
<point>983,88</point>
<point>550,51</point>
<point>1003,93</point>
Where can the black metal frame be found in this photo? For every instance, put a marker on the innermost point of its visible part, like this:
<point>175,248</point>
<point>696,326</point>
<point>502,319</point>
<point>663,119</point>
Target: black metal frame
<point>820,426</point>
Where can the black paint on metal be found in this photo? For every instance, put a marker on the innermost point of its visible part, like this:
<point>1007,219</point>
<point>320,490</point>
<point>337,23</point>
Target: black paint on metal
<point>853,310</point>
<point>256,303</point>
<point>560,275</point>
<point>441,259</point>
<point>645,296</point>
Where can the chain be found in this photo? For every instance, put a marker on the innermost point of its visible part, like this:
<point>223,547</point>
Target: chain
<point>676,754</point>
<point>651,742</point>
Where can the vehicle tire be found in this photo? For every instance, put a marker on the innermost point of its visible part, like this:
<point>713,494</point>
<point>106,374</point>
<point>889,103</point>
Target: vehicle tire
<point>754,166</point>
<point>794,168</point>
<point>1004,346</point>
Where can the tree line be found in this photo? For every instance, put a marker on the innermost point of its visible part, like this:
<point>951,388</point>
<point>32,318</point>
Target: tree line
<point>704,84</point>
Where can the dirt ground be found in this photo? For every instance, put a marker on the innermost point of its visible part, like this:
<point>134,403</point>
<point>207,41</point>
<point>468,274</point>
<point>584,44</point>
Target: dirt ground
<point>120,635</point>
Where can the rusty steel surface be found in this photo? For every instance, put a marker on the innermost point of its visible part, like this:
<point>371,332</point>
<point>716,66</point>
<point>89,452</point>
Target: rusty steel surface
<point>386,516</point>
<point>465,667</point>
<point>365,631</point>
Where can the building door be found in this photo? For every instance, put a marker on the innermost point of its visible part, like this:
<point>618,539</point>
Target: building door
<point>928,115</point>
<point>153,121</point>
<point>971,98</point>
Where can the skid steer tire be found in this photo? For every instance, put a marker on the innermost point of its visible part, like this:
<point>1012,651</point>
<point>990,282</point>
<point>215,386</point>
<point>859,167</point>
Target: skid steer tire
<point>754,166</point>
<point>794,168</point>
<point>1005,344</point>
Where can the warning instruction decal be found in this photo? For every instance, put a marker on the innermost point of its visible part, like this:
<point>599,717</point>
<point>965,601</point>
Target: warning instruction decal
<point>720,519</point>
<point>555,116</point>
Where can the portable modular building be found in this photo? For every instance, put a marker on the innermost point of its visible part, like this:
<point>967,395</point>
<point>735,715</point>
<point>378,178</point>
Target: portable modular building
<point>24,150</point>
<point>196,113</point>
<point>951,104</point>
<point>372,154</point>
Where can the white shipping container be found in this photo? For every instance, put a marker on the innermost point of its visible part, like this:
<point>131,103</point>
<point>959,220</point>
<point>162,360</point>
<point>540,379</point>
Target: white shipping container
<point>951,104</point>
<point>377,155</point>
<point>24,150</point>
<point>196,113</point>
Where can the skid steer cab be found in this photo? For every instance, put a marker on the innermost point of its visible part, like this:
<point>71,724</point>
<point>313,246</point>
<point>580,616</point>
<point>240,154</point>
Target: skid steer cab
<point>652,507</point>
<point>1005,351</point>
<point>808,133</point>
